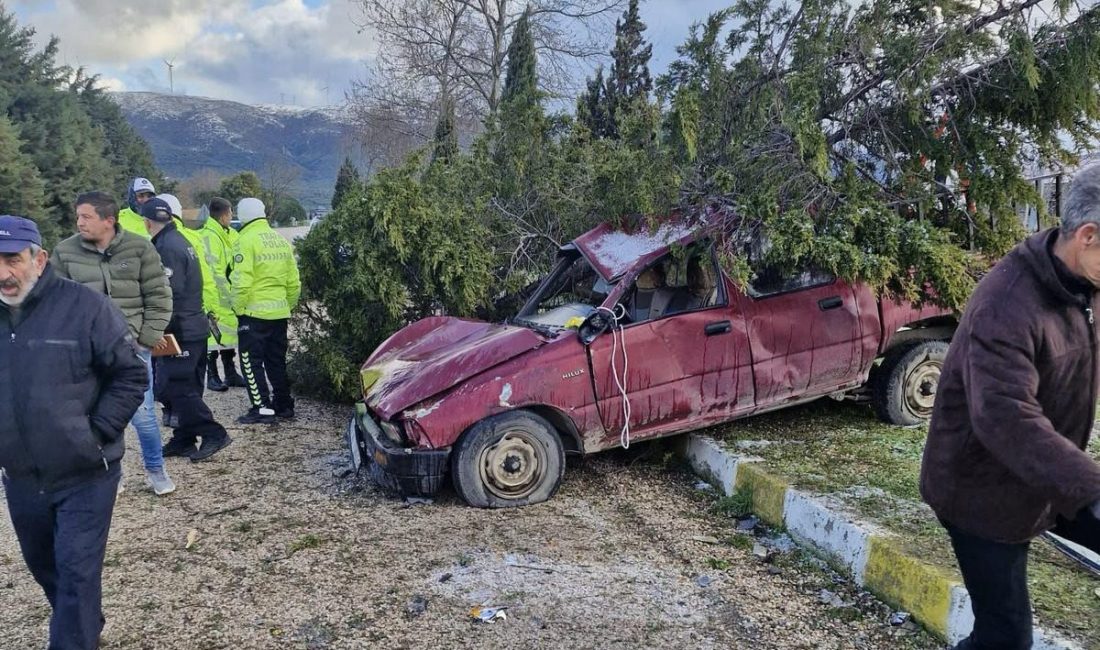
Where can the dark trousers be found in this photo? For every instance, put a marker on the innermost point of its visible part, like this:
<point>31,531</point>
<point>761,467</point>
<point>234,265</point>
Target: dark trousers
<point>996,577</point>
<point>178,382</point>
<point>63,536</point>
<point>263,348</point>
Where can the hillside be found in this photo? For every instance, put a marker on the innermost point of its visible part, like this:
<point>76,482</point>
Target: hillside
<point>190,134</point>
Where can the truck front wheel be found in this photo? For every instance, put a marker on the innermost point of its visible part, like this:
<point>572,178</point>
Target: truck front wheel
<point>510,459</point>
<point>904,386</point>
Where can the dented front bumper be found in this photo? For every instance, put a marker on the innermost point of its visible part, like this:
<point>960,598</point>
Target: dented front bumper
<point>407,471</point>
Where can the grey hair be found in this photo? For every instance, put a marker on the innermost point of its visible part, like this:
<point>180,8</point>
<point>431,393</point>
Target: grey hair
<point>1083,203</point>
<point>35,249</point>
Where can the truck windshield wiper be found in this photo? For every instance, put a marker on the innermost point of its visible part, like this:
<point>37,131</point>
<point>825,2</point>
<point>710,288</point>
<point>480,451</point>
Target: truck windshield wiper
<point>548,331</point>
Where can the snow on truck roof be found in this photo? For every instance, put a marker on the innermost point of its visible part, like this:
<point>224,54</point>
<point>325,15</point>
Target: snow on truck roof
<point>613,251</point>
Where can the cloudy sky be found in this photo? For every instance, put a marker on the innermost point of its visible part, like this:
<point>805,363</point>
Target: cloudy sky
<point>254,51</point>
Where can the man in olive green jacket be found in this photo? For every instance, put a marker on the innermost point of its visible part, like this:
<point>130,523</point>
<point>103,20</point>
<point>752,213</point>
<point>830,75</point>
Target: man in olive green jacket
<point>113,261</point>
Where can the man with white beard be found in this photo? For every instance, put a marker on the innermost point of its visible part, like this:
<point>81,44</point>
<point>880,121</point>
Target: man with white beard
<point>70,381</point>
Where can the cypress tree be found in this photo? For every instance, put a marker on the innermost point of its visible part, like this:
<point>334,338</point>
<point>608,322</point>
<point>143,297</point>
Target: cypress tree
<point>606,102</point>
<point>21,190</point>
<point>68,129</point>
<point>522,123</point>
<point>521,77</point>
<point>629,80</point>
<point>445,140</point>
<point>347,179</point>
<point>592,109</point>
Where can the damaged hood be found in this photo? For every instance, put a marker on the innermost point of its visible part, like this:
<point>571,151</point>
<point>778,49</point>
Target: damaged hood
<point>434,354</point>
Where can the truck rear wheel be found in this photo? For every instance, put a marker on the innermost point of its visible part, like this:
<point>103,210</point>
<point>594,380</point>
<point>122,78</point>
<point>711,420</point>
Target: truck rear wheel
<point>511,459</point>
<point>904,386</point>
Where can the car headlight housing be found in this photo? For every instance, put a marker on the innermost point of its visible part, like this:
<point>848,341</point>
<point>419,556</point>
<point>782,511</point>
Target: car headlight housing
<point>369,377</point>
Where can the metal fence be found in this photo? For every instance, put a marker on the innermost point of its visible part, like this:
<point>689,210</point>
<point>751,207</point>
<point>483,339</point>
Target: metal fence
<point>1053,188</point>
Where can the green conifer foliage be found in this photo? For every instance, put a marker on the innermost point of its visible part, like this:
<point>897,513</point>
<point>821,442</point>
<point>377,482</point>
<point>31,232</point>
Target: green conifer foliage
<point>347,179</point>
<point>68,129</point>
<point>21,190</point>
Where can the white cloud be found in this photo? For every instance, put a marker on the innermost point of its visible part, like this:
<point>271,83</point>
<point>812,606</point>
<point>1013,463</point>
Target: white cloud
<point>277,50</point>
<point>112,83</point>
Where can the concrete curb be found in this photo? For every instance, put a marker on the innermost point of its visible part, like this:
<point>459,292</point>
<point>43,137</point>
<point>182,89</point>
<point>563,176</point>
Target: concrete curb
<point>935,598</point>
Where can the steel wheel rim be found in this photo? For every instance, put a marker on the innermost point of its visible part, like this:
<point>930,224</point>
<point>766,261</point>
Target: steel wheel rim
<point>511,468</point>
<point>920,387</point>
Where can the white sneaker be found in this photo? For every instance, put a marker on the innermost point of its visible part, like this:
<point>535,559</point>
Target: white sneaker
<point>159,481</point>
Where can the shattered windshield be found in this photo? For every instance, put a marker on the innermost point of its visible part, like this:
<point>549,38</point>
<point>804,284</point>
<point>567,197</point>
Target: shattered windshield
<point>573,290</point>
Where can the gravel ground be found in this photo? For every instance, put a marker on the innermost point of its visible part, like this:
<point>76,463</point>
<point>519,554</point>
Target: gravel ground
<point>286,553</point>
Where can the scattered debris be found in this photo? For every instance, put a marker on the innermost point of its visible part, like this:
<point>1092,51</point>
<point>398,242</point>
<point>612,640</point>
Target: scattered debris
<point>343,473</point>
<point>754,444</point>
<point>899,618</point>
<point>418,501</point>
<point>703,581</point>
<point>831,599</point>
<point>445,577</point>
<point>227,511</point>
<point>417,606</point>
<point>748,523</point>
<point>531,567</point>
<point>192,538</point>
<point>705,539</point>
<point>763,553</point>
<point>482,614</point>
<point>781,543</point>
<point>774,571</point>
<point>704,486</point>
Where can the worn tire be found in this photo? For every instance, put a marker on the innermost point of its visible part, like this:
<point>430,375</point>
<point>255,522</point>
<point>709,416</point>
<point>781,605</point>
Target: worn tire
<point>904,386</point>
<point>510,459</point>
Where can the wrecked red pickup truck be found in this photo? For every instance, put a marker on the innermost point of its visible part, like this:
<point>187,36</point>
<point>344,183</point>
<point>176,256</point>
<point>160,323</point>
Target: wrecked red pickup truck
<point>632,336</point>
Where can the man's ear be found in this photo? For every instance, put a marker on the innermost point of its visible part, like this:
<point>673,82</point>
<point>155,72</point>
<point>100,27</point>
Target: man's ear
<point>40,259</point>
<point>1088,234</point>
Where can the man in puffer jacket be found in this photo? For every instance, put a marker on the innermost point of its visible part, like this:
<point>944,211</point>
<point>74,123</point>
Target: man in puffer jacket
<point>125,267</point>
<point>179,378</point>
<point>70,380</point>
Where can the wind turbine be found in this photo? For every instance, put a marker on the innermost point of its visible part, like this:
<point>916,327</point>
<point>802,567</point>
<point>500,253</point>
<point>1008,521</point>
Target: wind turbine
<point>171,83</point>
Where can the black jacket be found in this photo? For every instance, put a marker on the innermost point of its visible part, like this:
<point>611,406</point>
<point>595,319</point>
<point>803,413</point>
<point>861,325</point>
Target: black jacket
<point>70,381</point>
<point>181,265</point>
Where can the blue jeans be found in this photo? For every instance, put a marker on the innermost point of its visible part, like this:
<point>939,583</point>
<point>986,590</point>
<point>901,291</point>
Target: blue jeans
<point>63,536</point>
<point>146,423</point>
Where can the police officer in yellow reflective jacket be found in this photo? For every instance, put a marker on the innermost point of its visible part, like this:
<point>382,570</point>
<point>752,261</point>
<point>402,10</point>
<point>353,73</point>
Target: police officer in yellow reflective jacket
<point>129,218</point>
<point>265,287</point>
<point>218,241</point>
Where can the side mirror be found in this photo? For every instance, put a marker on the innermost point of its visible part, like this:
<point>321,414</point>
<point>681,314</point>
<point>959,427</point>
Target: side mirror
<point>597,323</point>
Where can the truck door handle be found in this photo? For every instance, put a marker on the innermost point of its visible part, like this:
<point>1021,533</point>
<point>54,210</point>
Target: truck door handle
<point>832,302</point>
<point>720,327</point>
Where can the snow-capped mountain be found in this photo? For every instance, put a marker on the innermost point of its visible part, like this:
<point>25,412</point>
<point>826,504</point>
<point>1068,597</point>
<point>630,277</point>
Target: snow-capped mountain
<point>190,134</point>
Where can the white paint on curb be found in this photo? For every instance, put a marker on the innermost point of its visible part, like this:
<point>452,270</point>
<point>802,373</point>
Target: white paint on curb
<point>712,462</point>
<point>809,521</point>
<point>960,618</point>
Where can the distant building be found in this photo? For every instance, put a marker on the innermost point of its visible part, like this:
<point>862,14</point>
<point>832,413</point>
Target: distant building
<point>1052,184</point>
